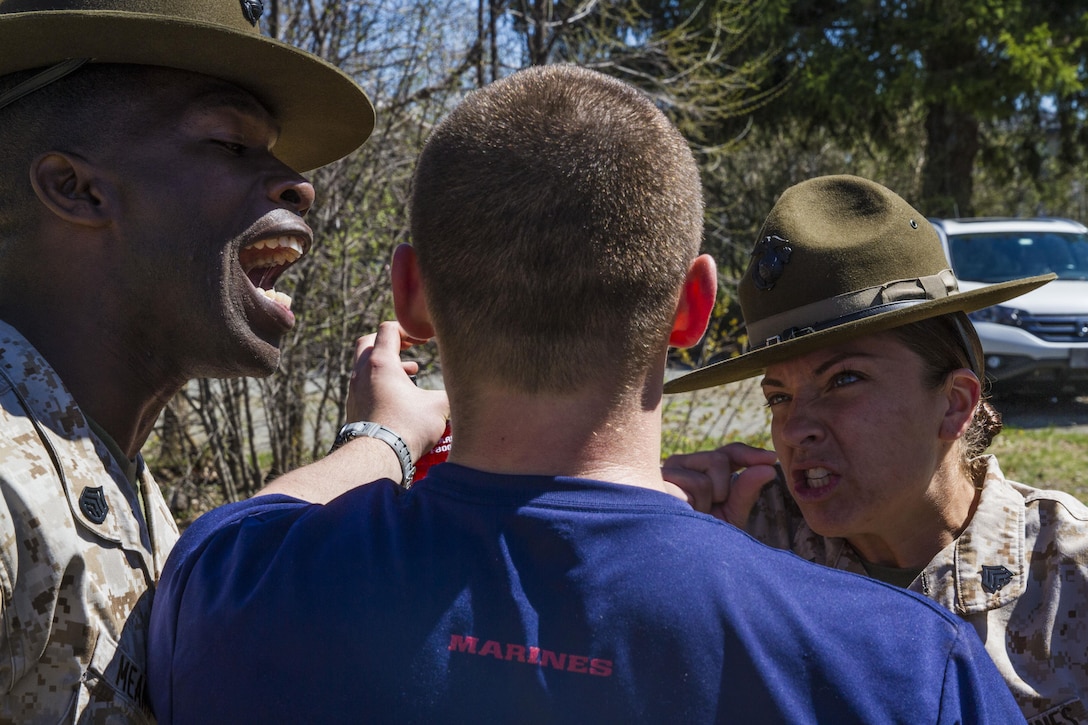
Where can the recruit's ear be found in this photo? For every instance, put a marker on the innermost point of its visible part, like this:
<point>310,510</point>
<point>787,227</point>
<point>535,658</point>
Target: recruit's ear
<point>696,302</point>
<point>70,187</point>
<point>409,299</point>
<point>962,392</point>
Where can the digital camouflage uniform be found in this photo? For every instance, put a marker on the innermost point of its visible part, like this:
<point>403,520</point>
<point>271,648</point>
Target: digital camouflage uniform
<point>77,563</point>
<point>1018,573</point>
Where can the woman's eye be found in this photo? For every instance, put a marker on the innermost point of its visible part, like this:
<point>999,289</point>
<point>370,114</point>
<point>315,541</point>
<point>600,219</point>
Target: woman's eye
<point>845,378</point>
<point>776,398</point>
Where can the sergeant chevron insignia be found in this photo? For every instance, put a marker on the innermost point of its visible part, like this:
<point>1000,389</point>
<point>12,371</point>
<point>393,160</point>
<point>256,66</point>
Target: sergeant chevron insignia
<point>92,502</point>
<point>995,577</point>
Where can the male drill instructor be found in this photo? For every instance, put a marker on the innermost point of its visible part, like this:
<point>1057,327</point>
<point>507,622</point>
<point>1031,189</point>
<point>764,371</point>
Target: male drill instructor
<point>145,147</point>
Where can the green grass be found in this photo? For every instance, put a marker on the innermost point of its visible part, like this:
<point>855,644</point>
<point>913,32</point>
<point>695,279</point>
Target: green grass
<point>1045,458</point>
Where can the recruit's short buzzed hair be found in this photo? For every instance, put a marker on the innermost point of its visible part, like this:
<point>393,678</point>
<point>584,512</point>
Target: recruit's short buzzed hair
<point>555,214</point>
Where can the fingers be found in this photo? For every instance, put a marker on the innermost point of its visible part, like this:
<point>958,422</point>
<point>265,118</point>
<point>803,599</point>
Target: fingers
<point>386,342</point>
<point>377,365</point>
<point>407,341</point>
<point>381,390</point>
<point>389,337</point>
<point>742,455</point>
<point>725,482</point>
<point>744,491</point>
<point>704,477</point>
<point>363,346</point>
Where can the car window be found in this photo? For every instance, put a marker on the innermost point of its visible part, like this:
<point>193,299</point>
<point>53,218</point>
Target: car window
<point>1008,255</point>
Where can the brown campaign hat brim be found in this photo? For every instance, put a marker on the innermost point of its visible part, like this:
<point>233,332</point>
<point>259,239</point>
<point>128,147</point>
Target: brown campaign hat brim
<point>755,362</point>
<point>322,113</point>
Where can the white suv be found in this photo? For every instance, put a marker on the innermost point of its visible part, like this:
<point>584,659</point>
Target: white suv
<point>1037,342</point>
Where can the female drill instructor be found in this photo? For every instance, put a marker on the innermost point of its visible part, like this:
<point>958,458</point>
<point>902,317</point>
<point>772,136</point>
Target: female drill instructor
<point>872,373</point>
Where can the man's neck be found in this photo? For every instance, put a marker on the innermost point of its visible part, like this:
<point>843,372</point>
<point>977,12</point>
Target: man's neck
<point>579,434</point>
<point>100,377</point>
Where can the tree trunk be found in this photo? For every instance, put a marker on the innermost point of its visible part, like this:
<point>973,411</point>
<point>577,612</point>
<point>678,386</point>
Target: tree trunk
<point>951,147</point>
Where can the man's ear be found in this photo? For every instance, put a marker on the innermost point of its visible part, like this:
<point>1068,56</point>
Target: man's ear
<point>409,299</point>
<point>696,302</point>
<point>962,392</point>
<point>70,188</point>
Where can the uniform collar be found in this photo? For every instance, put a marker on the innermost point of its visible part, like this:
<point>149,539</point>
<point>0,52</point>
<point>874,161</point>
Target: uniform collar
<point>985,567</point>
<point>102,504</point>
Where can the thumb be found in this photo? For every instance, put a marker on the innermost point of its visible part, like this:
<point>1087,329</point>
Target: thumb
<point>744,490</point>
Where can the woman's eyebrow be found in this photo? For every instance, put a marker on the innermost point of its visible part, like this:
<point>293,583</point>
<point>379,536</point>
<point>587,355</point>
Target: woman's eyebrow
<point>839,358</point>
<point>822,367</point>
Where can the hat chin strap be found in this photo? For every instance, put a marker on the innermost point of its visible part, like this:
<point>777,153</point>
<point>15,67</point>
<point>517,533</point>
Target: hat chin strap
<point>51,74</point>
<point>971,344</point>
<point>850,306</point>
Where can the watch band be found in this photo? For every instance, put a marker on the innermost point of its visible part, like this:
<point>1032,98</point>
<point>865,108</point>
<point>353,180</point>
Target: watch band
<point>366,429</point>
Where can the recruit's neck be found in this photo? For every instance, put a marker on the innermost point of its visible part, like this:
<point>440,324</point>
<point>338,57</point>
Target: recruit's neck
<point>585,434</point>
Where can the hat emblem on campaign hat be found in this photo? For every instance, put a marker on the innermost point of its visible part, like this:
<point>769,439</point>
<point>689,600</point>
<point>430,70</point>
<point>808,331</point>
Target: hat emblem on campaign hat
<point>840,257</point>
<point>253,10</point>
<point>773,254</point>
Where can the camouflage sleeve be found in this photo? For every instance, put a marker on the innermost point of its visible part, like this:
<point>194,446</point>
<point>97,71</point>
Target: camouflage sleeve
<point>8,563</point>
<point>775,518</point>
<point>1046,633</point>
<point>29,580</point>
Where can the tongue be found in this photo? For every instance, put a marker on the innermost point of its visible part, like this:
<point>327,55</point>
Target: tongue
<point>262,277</point>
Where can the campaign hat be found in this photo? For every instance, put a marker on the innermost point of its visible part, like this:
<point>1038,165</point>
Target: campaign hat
<point>322,112</point>
<point>840,257</point>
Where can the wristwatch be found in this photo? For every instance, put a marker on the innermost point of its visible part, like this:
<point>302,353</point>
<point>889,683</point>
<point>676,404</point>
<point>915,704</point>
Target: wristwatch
<point>366,429</point>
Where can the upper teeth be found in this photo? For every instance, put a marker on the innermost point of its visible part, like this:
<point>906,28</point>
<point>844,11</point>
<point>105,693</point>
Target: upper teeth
<point>817,477</point>
<point>285,249</point>
<point>261,259</point>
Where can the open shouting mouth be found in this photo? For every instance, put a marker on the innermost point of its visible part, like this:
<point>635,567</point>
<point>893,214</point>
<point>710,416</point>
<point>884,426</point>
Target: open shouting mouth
<point>266,259</point>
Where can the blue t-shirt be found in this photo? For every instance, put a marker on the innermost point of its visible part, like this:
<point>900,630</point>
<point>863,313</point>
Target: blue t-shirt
<point>503,599</point>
